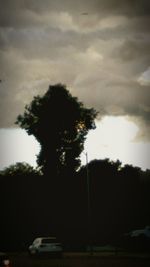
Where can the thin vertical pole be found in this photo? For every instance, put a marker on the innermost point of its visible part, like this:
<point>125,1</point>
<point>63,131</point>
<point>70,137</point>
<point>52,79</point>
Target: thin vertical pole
<point>89,204</point>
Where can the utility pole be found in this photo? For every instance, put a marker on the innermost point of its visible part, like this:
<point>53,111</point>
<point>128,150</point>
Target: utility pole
<point>88,205</point>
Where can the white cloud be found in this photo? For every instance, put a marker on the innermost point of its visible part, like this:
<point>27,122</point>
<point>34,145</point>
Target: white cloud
<point>113,22</point>
<point>144,78</point>
<point>60,20</point>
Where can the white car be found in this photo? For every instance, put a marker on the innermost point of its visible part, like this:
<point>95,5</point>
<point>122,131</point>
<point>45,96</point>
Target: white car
<point>45,245</point>
<point>145,232</point>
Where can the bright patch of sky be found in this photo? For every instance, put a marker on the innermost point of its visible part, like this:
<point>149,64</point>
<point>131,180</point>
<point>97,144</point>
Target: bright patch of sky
<point>17,146</point>
<point>113,138</point>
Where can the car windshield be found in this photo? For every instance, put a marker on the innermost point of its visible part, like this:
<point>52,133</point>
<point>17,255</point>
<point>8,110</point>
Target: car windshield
<point>48,240</point>
<point>36,241</point>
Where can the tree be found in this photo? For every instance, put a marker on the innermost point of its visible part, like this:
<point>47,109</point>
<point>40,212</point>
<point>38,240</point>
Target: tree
<point>60,123</point>
<point>21,169</point>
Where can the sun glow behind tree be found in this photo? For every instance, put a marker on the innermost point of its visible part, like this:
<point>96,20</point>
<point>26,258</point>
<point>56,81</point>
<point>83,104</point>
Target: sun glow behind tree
<point>114,138</point>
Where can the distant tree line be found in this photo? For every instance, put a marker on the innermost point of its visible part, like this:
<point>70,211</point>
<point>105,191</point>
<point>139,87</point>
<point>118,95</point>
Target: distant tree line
<point>32,205</point>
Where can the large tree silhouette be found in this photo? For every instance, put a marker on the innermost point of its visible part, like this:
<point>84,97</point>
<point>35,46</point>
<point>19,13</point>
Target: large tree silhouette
<point>60,123</point>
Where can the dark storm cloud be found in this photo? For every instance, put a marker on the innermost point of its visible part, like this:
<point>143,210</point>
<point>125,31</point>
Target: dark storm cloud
<point>134,49</point>
<point>128,7</point>
<point>103,56</point>
<point>22,13</point>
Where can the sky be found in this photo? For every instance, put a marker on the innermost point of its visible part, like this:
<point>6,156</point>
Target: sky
<point>100,49</point>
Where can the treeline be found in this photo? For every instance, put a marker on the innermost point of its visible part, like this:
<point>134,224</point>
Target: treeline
<point>34,205</point>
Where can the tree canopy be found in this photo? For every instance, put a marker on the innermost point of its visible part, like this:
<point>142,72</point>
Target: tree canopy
<point>119,203</point>
<point>60,123</point>
<point>19,168</point>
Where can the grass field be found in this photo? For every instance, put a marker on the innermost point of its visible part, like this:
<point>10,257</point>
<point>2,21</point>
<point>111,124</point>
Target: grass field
<point>81,260</point>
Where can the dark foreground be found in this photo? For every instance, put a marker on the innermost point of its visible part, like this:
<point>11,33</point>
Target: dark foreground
<point>81,260</point>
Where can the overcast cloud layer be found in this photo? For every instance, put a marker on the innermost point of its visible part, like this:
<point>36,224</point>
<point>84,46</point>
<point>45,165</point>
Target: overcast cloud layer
<point>100,49</point>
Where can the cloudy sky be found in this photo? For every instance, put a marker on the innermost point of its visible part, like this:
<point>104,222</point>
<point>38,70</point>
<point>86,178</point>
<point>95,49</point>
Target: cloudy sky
<point>100,49</point>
